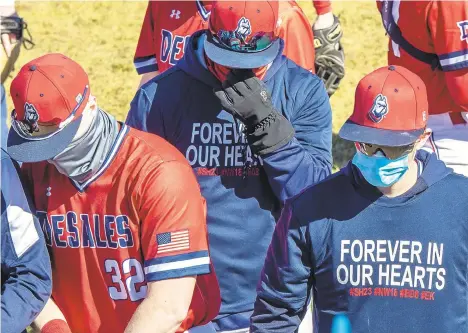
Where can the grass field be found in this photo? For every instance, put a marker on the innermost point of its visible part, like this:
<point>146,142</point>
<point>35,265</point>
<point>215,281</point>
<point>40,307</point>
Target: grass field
<point>102,36</point>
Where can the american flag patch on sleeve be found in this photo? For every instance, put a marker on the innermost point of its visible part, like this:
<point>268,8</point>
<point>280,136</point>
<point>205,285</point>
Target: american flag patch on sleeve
<point>173,241</point>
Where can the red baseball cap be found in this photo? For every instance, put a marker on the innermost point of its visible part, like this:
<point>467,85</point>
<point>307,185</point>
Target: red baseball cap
<point>49,94</point>
<point>390,108</point>
<point>242,34</point>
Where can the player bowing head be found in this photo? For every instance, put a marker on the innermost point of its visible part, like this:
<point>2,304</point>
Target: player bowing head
<point>382,242</point>
<point>254,126</point>
<point>120,210</point>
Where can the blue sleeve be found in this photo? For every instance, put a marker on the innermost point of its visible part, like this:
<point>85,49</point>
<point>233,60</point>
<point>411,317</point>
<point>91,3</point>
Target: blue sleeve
<point>307,159</point>
<point>26,271</point>
<point>283,290</point>
<point>139,109</point>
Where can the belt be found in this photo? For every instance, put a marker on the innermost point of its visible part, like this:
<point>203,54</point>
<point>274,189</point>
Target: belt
<point>457,118</point>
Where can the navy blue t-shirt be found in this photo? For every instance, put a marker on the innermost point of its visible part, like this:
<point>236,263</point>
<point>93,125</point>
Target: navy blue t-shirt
<point>392,265</point>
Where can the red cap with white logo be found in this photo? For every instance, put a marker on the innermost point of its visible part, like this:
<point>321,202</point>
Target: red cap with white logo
<point>390,108</point>
<point>49,94</point>
<point>242,34</point>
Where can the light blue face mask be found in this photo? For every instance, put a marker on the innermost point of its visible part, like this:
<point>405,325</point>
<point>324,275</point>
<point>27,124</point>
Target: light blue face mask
<point>379,170</point>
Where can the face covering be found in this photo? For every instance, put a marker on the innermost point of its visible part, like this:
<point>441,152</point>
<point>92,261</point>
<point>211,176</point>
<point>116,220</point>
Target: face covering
<point>222,72</point>
<point>83,157</point>
<point>380,171</point>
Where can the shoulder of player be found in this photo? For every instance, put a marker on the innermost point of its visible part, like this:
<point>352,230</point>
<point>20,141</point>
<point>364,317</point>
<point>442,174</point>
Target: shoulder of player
<point>456,185</point>
<point>301,82</point>
<point>321,200</point>
<point>170,83</point>
<point>150,149</point>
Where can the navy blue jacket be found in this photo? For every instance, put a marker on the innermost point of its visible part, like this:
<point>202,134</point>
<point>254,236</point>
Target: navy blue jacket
<point>390,264</point>
<point>26,272</point>
<point>243,193</point>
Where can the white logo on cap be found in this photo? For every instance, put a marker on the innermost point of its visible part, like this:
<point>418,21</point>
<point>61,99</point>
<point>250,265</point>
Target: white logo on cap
<point>379,109</point>
<point>243,28</point>
<point>31,117</point>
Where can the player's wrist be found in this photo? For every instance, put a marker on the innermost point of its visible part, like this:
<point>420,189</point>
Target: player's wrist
<point>56,326</point>
<point>324,21</point>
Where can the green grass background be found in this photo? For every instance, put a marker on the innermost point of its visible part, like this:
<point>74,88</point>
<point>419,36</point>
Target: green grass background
<point>102,37</point>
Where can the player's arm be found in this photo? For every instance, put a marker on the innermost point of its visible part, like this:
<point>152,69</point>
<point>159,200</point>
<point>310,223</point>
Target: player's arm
<point>51,320</point>
<point>165,306</point>
<point>140,108</point>
<point>174,242</point>
<point>306,159</point>
<point>457,81</point>
<point>145,60</point>
<point>26,272</point>
<point>282,294</point>
<point>296,152</point>
<point>298,38</point>
<point>448,26</point>
<point>322,7</point>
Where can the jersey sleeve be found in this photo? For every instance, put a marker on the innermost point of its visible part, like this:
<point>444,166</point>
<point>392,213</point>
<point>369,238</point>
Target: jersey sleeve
<point>145,59</point>
<point>322,7</point>
<point>173,218</point>
<point>448,26</point>
<point>298,38</point>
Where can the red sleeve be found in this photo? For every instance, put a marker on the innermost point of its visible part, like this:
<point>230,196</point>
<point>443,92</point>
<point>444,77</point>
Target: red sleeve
<point>448,26</point>
<point>298,38</point>
<point>145,55</point>
<point>173,223</point>
<point>322,7</point>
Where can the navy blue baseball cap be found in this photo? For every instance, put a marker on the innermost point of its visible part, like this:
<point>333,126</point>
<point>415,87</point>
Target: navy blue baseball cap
<point>50,94</point>
<point>390,108</point>
<point>242,34</point>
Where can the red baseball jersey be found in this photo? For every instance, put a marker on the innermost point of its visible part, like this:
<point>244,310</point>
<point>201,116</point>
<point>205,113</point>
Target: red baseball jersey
<point>168,24</point>
<point>437,27</point>
<point>139,219</point>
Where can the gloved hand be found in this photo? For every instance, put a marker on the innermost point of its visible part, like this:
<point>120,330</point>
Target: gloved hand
<point>329,53</point>
<point>247,98</point>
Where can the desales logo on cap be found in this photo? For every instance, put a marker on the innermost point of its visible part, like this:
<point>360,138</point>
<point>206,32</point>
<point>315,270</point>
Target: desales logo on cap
<point>30,120</point>
<point>379,109</point>
<point>237,38</point>
<point>244,28</point>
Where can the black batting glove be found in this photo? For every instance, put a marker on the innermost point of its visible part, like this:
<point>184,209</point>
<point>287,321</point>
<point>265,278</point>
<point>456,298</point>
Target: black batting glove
<point>247,98</point>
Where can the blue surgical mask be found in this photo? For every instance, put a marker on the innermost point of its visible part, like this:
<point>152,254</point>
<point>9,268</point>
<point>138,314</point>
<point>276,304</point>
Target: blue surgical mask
<point>379,170</point>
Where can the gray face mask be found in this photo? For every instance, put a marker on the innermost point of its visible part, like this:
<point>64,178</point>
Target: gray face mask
<point>83,157</point>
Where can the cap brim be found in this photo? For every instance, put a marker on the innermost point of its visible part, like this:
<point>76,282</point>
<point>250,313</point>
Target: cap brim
<point>24,150</point>
<point>242,60</point>
<point>357,133</point>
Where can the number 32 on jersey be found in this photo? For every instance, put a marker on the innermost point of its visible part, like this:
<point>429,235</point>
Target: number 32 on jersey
<point>126,287</point>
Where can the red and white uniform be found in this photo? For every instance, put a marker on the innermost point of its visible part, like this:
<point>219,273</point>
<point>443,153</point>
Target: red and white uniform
<point>168,24</point>
<point>140,218</point>
<point>440,28</point>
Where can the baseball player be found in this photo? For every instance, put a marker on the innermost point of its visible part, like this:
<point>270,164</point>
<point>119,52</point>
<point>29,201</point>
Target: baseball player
<point>382,243</point>
<point>168,25</point>
<point>26,274</point>
<point>120,209</point>
<point>254,126</point>
<point>430,38</point>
